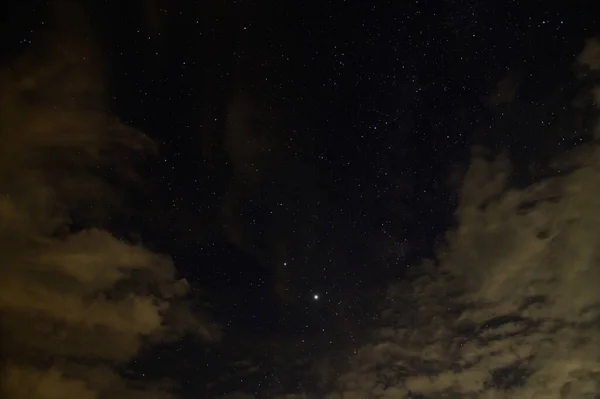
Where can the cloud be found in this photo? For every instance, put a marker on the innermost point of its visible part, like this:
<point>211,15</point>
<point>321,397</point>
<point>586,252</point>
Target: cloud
<point>506,92</point>
<point>510,309</point>
<point>590,55</point>
<point>513,309</point>
<point>73,304</point>
<point>252,149</point>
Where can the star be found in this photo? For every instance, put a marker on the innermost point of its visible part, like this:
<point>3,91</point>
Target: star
<point>316,297</point>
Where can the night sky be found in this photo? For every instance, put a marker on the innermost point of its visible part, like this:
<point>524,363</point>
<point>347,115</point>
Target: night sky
<point>254,199</point>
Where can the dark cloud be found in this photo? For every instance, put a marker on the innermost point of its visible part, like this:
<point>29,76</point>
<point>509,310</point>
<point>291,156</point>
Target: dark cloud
<point>506,92</point>
<point>264,155</point>
<point>73,304</point>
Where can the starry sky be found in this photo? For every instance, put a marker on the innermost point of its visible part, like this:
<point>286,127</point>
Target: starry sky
<point>256,198</point>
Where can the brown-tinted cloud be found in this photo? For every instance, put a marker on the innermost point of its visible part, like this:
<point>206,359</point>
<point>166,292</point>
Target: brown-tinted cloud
<point>73,304</point>
<point>513,308</point>
<point>590,55</point>
<point>590,59</point>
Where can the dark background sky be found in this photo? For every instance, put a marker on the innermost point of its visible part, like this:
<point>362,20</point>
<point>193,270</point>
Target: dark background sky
<point>313,147</point>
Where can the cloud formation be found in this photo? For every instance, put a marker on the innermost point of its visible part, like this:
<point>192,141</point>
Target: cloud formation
<point>75,306</point>
<point>511,308</point>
